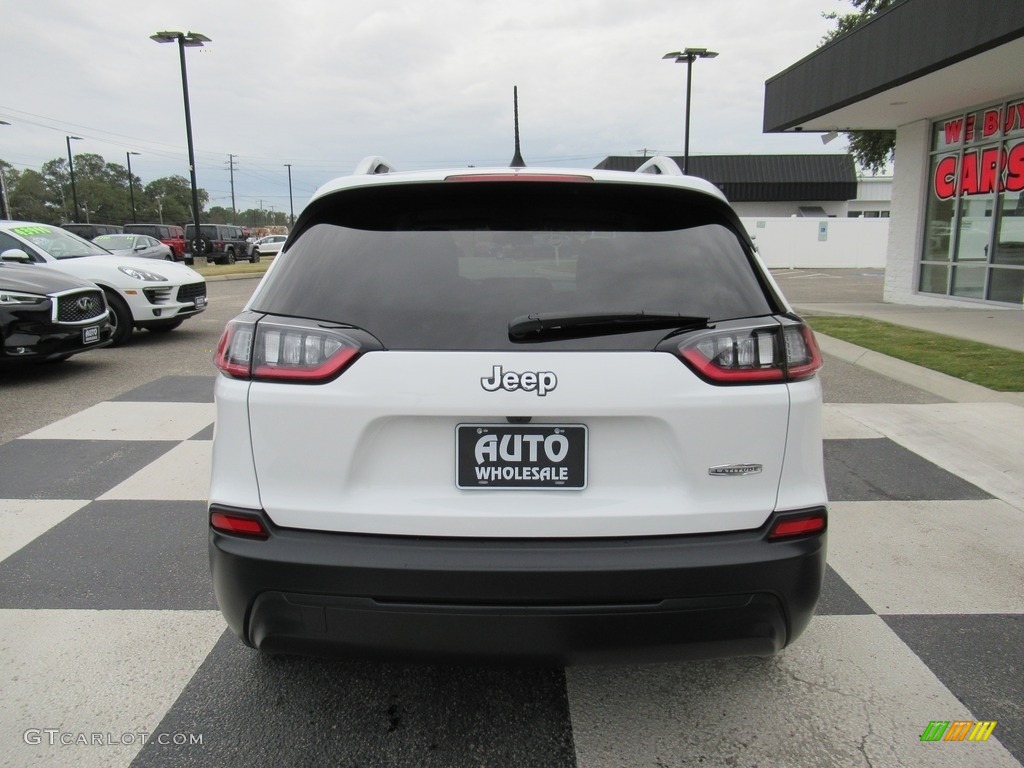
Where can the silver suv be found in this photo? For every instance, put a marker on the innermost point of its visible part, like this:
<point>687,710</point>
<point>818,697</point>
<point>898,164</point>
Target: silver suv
<point>556,415</point>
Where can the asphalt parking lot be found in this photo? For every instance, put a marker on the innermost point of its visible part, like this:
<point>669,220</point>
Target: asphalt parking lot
<point>114,652</point>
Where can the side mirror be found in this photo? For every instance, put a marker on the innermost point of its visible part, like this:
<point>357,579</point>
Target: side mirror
<point>15,254</point>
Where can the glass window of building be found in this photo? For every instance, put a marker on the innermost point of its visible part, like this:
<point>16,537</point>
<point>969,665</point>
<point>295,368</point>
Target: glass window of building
<point>974,218</point>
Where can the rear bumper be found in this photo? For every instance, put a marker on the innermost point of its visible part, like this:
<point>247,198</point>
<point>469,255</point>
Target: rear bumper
<point>548,601</point>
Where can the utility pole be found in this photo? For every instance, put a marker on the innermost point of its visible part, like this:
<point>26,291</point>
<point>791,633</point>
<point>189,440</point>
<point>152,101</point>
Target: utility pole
<point>291,204</point>
<point>231,167</point>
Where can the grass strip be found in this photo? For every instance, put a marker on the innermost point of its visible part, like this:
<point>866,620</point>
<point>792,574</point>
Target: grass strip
<point>992,367</point>
<point>239,268</point>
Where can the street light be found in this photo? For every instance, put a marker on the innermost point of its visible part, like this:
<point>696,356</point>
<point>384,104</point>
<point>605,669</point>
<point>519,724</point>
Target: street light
<point>188,40</point>
<point>688,55</point>
<point>131,182</point>
<point>71,167</point>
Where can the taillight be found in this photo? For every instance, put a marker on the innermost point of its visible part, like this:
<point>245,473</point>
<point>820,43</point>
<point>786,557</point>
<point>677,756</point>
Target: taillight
<point>798,525</point>
<point>753,355</point>
<point>238,524</point>
<point>275,351</point>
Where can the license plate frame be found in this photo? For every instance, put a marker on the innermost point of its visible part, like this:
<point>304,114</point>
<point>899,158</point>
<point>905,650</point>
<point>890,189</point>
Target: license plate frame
<point>90,334</point>
<point>200,302</point>
<point>545,457</point>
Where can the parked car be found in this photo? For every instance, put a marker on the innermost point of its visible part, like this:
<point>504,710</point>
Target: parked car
<point>271,244</point>
<point>424,450</point>
<point>220,243</point>
<point>139,292</point>
<point>47,316</point>
<point>143,246</point>
<point>170,235</point>
<point>90,231</point>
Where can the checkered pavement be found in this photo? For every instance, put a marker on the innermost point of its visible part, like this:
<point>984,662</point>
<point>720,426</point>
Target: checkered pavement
<point>112,651</point>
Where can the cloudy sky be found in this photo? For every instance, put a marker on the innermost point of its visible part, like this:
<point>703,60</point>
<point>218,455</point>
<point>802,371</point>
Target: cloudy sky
<point>320,84</point>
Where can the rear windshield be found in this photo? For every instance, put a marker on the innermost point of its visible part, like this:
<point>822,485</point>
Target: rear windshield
<point>143,229</point>
<point>447,267</point>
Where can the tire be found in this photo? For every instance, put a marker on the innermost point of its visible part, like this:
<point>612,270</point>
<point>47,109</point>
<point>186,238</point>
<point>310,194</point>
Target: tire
<point>255,258</point>
<point>163,326</point>
<point>120,318</point>
<point>202,245</point>
<point>230,258</point>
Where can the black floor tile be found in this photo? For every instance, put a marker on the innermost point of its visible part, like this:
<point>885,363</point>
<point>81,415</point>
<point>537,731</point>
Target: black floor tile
<point>312,712</point>
<point>115,555</point>
<point>980,658</point>
<point>172,389</point>
<point>72,469</point>
<point>879,470</point>
<point>839,599</point>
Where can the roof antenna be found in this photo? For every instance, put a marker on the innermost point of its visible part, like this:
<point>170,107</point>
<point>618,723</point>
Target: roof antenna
<point>517,158</point>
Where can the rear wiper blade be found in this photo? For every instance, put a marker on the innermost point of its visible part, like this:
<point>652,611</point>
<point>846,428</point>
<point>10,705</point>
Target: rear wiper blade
<point>552,326</point>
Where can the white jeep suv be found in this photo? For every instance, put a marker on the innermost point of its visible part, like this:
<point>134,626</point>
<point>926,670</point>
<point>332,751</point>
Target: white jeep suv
<point>521,414</point>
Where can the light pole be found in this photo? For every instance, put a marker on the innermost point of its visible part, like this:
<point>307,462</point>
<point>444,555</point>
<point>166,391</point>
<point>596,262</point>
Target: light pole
<point>71,168</point>
<point>131,182</point>
<point>188,40</point>
<point>688,55</point>
<point>4,208</point>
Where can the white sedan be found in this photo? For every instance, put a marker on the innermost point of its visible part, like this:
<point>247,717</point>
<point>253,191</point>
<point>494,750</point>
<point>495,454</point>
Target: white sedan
<point>140,292</point>
<point>143,246</point>
<point>271,244</point>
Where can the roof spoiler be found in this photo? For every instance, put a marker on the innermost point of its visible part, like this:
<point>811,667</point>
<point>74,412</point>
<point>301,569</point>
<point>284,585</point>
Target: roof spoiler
<point>374,164</point>
<point>661,165</point>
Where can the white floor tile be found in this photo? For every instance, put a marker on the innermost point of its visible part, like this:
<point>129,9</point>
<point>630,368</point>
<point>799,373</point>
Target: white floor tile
<point>130,421</point>
<point>183,473</point>
<point>110,673</point>
<point>847,693</point>
<point>930,556</point>
<point>22,520</point>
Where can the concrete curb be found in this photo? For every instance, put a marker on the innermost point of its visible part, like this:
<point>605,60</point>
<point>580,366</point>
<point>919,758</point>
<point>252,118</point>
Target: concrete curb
<point>939,384</point>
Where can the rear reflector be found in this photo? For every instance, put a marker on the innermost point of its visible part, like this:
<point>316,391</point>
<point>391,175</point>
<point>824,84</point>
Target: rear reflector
<point>789,527</point>
<point>753,355</point>
<point>239,525</point>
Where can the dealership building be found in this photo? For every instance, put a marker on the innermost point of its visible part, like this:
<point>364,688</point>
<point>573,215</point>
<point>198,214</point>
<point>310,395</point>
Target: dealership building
<point>948,77</point>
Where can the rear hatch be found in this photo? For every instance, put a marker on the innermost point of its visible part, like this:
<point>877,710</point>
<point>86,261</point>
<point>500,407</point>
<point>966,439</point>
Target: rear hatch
<point>517,359</point>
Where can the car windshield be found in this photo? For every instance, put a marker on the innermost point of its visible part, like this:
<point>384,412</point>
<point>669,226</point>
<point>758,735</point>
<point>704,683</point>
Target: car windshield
<point>116,242</point>
<point>57,242</point>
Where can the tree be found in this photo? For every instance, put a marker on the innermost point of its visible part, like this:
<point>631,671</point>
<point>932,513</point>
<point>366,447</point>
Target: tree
<point>27,194</point>
<point>169,200</point>
<point>871,149</point>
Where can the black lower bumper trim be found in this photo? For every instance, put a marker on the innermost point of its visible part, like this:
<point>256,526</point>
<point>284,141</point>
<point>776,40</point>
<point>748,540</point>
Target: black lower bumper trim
<point>557,601</point>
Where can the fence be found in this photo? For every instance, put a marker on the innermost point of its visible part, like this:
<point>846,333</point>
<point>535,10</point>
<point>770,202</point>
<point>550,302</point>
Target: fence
<point>820,243</point>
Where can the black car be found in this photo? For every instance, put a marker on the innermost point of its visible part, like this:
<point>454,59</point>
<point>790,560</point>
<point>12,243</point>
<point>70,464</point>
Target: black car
<point>220,243</point>
<point>47,315</point>
<point>89,231</point>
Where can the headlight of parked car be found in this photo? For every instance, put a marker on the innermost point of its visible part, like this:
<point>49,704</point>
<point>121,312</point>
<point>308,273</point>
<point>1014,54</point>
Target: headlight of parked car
<point>20,299</point>
<point>142,274</point>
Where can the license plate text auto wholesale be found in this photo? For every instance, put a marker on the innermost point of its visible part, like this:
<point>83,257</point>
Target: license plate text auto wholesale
<point>200,302</point>
<point>91,334</point>
<point>542,456</point>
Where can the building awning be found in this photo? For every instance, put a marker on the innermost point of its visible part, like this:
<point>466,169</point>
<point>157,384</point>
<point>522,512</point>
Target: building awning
<point>765,178</point>
<point>909,63</point>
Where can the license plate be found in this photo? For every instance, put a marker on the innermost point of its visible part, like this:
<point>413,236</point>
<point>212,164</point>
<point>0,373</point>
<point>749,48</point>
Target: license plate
<point>530,457</point>
<point>91,334</point>
<point>200,302</point>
